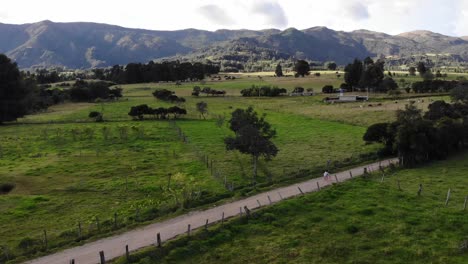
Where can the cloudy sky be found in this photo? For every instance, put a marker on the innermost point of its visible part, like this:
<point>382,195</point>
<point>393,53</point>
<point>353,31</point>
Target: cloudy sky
<point>391,16</point>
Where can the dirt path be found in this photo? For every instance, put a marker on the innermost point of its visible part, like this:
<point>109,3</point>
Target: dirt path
<point>145,236</point>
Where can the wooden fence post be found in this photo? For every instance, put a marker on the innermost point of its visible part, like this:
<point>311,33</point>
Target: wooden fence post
<point>72,261</point>
<point>127,253</point>
<point>299,188</point>
<point>336,179</point>
<point>206,224</point>
<point>350,174</point>
<point>318,186</point>
<point>269,199</point>
<point>247,211</point>
<point>448,197</point>
<point>280,196</point>
<point>222,219</point>
<point>158,240</point>
<point>420,189</point>
<point>79,230</point>
<point>97,224</point>
<point>188,230</point>
<point>45,240</point>
<point>102,258</point>
<point>259,204</point>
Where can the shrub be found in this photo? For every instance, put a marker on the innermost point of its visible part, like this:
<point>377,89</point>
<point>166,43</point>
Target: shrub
<point>6,187</point>
<point>96,115</point>
<point>327,89</point>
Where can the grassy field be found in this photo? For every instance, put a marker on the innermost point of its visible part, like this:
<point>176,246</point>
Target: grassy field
<point>361,221</point>
<point>69,170</point>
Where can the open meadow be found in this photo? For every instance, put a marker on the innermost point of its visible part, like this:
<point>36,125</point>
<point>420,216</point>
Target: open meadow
<point>77,179</point>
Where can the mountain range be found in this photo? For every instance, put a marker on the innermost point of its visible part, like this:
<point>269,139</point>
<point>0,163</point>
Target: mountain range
<point>87,45</point>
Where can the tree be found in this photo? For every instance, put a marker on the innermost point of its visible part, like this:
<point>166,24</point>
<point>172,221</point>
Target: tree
<point>302,68</point>
<point>279,71</point>
<point>440,109</point>
<point>176,111</point>
<point>202,108</point>
<point>460,93</point>
<point>252,136</point>
<point>368,61</point>
<point>412,71</point>
<point>139,111</point>
<point>15,94</point>
<point>387,84</point>
<point>196,91</point>
<point>97,116</point>
<point>428,75</point>
<point>331,66</point>
<point>422,68</point>
<point>328,89</point>
<point>353,73</point>
<point>372,74</point>
<point>382,133</point>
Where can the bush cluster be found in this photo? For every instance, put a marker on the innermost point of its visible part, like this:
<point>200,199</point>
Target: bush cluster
<point>138,112</point>
<point>268,91</point>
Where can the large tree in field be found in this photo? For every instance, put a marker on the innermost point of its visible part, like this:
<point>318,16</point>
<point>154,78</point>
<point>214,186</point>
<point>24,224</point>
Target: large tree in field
<point>279,70</point>
<point>202,108</point>
<point>422,68</point>
<point>302,68</point>
<point>332,66</point>
<point>15,95</point>
<point>372,75</point>
<point>353,73</point>
<point>252,136</point>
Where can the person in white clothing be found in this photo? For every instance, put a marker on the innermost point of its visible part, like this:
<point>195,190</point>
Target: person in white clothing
<point>326,175</point>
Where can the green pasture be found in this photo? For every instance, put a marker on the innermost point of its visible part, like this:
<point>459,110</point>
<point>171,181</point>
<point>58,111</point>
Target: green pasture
<point>69,170</point>
<point>361,221</point>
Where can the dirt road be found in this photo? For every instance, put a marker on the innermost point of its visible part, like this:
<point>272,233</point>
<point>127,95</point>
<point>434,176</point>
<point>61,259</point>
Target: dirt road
<point>145,236</point>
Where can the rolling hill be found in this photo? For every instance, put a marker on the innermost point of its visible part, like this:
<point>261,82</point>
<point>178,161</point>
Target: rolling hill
<point>85,45</point>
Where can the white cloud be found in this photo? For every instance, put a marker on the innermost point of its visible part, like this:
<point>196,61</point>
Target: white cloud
<point>357,11</point>
<point>216,15</point>
<point>3,15</point>
<point>273,13</point>
<point>461,23</point>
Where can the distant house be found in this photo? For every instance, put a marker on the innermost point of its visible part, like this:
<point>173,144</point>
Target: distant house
<point>302,94</point>
<point>346,99</point>
<point>352,98</point>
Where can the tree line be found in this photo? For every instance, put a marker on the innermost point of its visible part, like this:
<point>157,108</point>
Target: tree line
<point>367,74</point>
<point>264,90</point>
<point>167,71</point>
<point>416,137</point>
<point>140,111</point>
<point>20,94</point>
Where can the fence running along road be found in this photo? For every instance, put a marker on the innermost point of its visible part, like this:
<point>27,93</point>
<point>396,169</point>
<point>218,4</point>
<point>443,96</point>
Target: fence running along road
<point>115,246</point>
